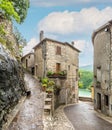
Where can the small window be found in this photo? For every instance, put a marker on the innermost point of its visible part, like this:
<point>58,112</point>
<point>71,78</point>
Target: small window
<point>29,57</point>
<point>106,100</point>
<point>77,74</point>
<point>26,63</point>
<point>99,73</point>
<point>58,67</point>
<point>58,50</point>
<point>68,67</point>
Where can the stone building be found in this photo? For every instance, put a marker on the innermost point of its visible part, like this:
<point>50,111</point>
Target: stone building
<point>102,42</point>
<point>58,57</point>
<point>28,62</point>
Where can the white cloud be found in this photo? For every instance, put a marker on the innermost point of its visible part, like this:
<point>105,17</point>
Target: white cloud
<point>29,46</point>
<point>84,46</point>
<point>68,22</point>
<point>80,44</point>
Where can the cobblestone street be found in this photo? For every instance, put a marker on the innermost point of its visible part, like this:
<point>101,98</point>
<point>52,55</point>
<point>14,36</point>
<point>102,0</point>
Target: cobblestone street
<point>58,122</point>
<point>83,117</point>
<point>31,113</point>
<point>80,116</point>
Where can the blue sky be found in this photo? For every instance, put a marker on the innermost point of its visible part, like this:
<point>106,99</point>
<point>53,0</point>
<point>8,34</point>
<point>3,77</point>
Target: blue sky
<point>66,21</point>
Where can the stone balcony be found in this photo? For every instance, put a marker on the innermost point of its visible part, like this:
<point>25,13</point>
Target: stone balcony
<point>60,75</point>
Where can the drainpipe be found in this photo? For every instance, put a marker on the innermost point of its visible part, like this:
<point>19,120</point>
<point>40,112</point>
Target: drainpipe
<point>44,58</point>
<point>43,52</point>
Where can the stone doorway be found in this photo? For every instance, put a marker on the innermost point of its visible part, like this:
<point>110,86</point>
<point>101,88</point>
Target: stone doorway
<point>99,101</point>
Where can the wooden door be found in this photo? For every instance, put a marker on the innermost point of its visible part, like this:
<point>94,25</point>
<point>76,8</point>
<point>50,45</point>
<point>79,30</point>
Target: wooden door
<point>58,67</point>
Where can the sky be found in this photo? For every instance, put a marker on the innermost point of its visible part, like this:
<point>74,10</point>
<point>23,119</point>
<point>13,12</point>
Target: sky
<point>66,21</point>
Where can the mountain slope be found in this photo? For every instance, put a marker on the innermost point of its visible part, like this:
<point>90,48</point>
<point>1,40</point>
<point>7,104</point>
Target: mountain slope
<point>86,67</point>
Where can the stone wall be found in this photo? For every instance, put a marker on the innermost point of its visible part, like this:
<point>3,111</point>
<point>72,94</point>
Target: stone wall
<point>9,37</point>
<point>69,61</point>
<point>11,84</point>
<point>38,61</point>
<point>46,59</point>
<point>28,62</point>
<point>102,42</point>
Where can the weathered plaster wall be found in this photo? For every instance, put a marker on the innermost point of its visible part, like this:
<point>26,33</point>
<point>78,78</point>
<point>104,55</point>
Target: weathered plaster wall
<point>102,70</point>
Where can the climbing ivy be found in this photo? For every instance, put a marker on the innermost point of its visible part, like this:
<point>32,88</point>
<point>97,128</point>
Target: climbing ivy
<point>7,10</point>
<point>12,10</point>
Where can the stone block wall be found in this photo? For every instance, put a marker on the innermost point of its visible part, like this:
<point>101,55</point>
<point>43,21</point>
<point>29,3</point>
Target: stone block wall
<point>38,61</point>
<point>47,58</point>
<point>28,61</point>
<point>12,86</point>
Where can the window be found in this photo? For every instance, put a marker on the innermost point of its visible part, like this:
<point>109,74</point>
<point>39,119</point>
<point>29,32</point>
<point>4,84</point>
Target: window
<point>77,74</point>
<point>68,67</point>
<point>99,73</point>
<point>26,63</point>
<point>58,67</point>
<point>106,100</point>
<point>99,101</point>
<point>58,50</point>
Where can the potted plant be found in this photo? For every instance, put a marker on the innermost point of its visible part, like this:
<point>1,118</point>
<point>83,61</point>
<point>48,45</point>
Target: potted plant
<point>44,86</point>
<point>49,73</point>
<point>51,83</point>
<point>49,89</point>
<point>44,83</point>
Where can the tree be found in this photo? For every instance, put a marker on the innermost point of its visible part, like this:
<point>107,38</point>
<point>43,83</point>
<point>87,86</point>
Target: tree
<point>80,84</point>
<point>19,38</point>
<point>7,10</point>
<point>86,79</point>
<point>14,9</point>
<point>21,8</point>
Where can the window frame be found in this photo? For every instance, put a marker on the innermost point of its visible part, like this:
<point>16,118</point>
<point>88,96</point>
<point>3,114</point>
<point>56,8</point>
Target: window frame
<point>58,50</point>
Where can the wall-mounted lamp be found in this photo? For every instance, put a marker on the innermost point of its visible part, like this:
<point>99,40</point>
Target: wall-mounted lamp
<point>106,29</point>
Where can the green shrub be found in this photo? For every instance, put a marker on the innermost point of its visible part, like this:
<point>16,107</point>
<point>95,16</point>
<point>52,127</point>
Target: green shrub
<point>49,73</point>
<point>45,80</point>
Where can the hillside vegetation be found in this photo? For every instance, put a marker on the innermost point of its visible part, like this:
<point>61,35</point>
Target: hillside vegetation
<point>86,79</point>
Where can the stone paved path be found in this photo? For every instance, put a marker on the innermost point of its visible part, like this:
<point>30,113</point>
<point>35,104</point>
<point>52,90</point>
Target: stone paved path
<point>83,117</point>
<point>31,113</point>
<point>58,122</point>
<point>61,122</point>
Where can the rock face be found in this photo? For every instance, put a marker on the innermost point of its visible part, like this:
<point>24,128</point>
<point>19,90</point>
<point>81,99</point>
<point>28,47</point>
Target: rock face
<point>12,86</point>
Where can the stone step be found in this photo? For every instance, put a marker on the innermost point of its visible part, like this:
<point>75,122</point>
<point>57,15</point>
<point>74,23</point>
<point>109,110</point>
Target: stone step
<point>48,99</point>
<point>47,107</point>
<point>49,95</point>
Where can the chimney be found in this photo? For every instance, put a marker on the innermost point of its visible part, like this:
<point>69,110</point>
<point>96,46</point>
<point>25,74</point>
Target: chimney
<point>41,35</point>
<point>72,43</point>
